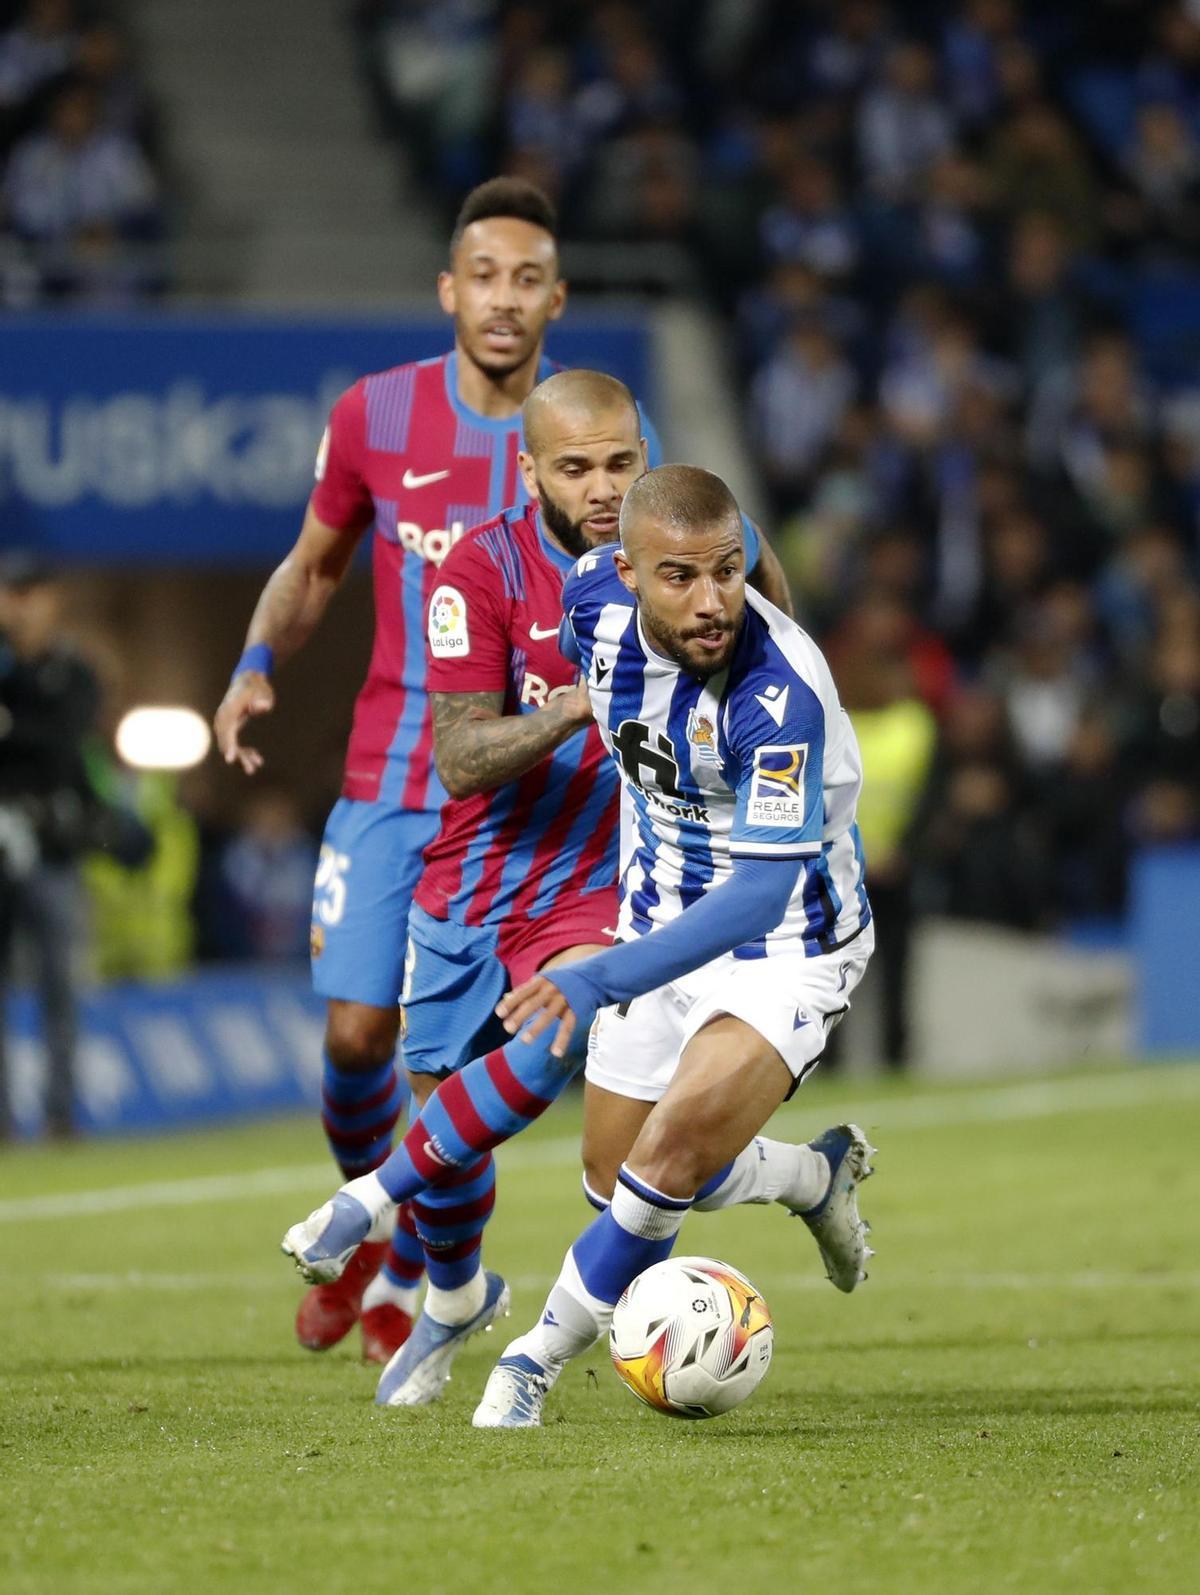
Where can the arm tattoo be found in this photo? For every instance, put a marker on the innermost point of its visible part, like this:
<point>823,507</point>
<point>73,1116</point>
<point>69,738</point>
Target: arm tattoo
<point>477,748</point>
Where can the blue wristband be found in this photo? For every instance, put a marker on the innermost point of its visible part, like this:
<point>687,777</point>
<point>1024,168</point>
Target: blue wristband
<point>259,656</point>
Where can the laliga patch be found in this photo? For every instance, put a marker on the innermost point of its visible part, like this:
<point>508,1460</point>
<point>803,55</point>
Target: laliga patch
<point>777,786</point>
<point>448,635</point>
<point>702,737</point>
<point>322,456</point>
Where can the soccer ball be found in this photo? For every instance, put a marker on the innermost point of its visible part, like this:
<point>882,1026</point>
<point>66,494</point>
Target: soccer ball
<point>691,1337</point>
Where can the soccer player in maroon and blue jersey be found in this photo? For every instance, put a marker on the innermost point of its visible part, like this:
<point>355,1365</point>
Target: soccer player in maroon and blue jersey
<point>415,455</point>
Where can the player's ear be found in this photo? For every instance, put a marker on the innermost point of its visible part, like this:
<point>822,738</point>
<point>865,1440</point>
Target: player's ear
<point>558,300</point>
<point>445,292</point>
<point>624,569</point>
<point>528,471</point>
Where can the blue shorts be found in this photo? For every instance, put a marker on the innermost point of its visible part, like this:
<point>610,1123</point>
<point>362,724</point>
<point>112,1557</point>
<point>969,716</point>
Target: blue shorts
<point>454,975</point>
<point>369,865</point>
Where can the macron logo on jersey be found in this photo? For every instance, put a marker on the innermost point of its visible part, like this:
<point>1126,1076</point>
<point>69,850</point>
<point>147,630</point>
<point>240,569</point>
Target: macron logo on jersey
<point>774,701</point>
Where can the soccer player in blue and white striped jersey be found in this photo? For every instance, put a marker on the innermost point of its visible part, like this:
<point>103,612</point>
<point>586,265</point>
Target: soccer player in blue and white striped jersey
<point>745,923</point>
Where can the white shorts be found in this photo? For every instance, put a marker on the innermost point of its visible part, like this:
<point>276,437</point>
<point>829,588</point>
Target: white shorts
<point>792,1001</point>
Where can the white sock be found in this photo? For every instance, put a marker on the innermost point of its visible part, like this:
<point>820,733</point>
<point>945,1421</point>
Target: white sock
<point>368,1190</point>
<point>772,1171</point>
<point>457,1305</point>
<point>385,1292</point>
<point>572,1320</point>
<point>610,1253</point>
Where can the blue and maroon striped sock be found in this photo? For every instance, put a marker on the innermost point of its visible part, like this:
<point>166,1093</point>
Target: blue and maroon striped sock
<point>451,1218</point>
<point>489,1101</point>
<point>405,1262</point>
<point>359,1112</point>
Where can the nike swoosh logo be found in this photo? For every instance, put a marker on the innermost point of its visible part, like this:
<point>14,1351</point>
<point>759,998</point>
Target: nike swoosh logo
<point>410,479</point>
<point>432,1152</point>
<point>541,633</point>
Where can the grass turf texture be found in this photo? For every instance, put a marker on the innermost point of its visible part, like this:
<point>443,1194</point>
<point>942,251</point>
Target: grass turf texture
<point>1009,1404</point>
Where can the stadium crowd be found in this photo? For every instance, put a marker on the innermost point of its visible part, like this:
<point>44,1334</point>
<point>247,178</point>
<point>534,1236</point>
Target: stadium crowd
<point>81,190</point>
<point>955,242</point>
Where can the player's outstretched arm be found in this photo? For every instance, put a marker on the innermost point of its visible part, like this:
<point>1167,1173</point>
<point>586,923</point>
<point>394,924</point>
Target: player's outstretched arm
<point>748,905</point>
<point>768,576</point>
<point>288,610</point>
<point>477,748</point>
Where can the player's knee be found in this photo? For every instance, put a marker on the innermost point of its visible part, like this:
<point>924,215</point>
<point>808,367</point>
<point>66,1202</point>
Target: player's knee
<point>669,1156</point>
<point>359,1039</point>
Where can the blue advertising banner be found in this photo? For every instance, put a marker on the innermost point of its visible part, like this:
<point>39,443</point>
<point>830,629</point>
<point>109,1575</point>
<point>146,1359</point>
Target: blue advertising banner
<point>190,438</point>
<point>219,1045</point>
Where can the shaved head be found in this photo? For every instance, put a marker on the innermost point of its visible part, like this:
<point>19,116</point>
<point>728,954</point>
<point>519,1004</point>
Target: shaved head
<point>677,498</point>
<point>569,397</point>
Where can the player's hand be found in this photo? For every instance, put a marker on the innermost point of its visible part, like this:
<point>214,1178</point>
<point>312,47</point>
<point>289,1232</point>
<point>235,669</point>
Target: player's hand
<point>577,704</point>
<point>540,1002</point>
<point>250,693</point>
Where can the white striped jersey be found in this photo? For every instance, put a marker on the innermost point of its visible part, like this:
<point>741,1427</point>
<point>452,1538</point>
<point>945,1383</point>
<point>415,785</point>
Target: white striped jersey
<point>759,761</point>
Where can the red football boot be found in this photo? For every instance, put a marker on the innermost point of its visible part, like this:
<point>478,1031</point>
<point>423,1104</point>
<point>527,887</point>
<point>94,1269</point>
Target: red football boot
<point>384,1330</point>
<point>327,1313</point>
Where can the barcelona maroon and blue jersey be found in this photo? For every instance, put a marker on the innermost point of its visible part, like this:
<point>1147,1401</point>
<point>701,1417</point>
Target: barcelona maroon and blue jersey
<point>403,454</point>
<point>535,844</point>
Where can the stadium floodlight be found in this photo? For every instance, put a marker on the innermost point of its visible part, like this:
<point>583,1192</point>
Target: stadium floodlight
<point>162,737</point>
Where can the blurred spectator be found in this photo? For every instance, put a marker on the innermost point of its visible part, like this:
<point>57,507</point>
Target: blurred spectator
<point>846,54</point>
<point>1038,163</point>
<point>1043,310</point>
<point>972,42</point>
<point>903,128</point>
<point>977,850</point>
<point>141,912</point>
<point>1082,813</point>
<point>34,53</point>
<point>48,702</point>
<point>811,225</point>
<point>76,191</point>
<point>266,875</point>
<point>1047,676</point>
<point>799,398</point>
<point>896,734</point>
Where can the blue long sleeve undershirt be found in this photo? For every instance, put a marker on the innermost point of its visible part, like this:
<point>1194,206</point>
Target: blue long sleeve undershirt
<point>749,904</point>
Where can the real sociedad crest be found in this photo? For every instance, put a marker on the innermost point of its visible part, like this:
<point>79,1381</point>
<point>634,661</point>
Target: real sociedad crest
<point>702,737</point>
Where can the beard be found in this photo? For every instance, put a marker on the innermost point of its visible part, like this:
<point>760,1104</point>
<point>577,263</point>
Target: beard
<point>569,533</point>
<point>680,646</point>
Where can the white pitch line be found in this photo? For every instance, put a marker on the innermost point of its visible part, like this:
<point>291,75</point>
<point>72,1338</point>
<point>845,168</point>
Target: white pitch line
<point>1029,1100</point>
<point>1088,1279</point>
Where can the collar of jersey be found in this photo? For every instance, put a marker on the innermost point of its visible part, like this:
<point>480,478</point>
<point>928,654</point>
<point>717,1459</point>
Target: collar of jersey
<point>496,424</point>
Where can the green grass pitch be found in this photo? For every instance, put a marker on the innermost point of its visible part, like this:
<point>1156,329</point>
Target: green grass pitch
<point>1010,1403</point>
